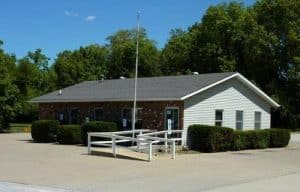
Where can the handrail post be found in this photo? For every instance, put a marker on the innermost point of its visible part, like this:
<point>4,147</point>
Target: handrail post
<point>166,142</point>
<point>182,133</point>
<point>173,149</point>
<point>150,151</point>
<point>113,139</point>
<point>138,143</point>
<point>89,143</point>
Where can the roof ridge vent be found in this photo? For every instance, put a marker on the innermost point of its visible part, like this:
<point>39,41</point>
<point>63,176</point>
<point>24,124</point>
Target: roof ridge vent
<point>122,77</point>
<point>195,73</point>
<point>60,92</point>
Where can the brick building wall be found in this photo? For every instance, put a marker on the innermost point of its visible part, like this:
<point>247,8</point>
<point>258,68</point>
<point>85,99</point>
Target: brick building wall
<point>152,112</point>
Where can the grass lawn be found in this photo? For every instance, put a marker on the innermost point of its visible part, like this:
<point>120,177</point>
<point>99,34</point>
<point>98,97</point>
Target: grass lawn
<point>19,127</point>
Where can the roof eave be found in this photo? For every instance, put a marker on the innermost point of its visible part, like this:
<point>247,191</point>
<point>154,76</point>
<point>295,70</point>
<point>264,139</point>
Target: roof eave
<point>245,81</point>
<point>98,100</point>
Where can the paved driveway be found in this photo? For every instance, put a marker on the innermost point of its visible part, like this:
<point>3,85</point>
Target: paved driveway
<point>26,166</point>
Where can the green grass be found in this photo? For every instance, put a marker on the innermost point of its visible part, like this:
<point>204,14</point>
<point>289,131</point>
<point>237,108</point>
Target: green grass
<point>19,127</point>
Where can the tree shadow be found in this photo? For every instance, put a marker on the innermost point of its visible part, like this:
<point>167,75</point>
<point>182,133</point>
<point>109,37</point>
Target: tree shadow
<point>27,140</point>
<point>242,153</point>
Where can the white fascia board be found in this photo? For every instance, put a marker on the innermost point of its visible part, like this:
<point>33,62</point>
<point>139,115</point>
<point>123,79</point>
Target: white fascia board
<point>209,86</point>
<point>258,91</point>
<point>243,80</point>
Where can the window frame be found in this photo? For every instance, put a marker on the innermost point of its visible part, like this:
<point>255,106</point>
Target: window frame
<point>255,121</point>
<point>239,121</point>
<point>70,115</point>
<point>94,113</point>
<point>218,120</point>
<point>131,111</point>
<point>165,117</point>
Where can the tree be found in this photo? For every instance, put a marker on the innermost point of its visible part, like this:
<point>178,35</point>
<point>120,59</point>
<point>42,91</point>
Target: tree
<point>33,78</point>
<point>175,55</point>
<point>281,19</point>
<point>122,52</point>
<point>261,41</point>
<point>86,63</point>
<point>9,93</point>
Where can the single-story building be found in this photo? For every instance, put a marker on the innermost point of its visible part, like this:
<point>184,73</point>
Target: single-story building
<point>225,99</point>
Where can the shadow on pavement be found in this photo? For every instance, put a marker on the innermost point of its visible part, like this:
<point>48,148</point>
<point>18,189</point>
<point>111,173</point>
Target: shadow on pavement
<point>110,155</point>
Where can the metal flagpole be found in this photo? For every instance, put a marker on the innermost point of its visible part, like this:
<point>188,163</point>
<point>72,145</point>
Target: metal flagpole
<point>136,73</point>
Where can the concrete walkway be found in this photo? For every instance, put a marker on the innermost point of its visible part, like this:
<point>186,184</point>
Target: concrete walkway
<point>65,167</point>
<point>17,187</point>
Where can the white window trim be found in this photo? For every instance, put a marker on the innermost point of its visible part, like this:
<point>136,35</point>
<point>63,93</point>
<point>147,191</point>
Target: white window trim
<point>239,121</point>
<point>257,121</point>
<point>215,120</point>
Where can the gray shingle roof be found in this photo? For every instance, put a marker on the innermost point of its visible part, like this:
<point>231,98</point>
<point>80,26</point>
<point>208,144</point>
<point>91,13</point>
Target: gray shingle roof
<point>149,88</point>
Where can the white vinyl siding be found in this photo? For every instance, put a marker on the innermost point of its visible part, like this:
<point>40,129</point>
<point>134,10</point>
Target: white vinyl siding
<point>230,96</point>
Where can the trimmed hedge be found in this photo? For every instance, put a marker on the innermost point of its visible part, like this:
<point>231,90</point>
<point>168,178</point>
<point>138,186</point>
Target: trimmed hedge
<point>44,130</point>
<point>214,139</point>
<point>252,139</point>
<point>206,138</point>
<point>239,141</point>
<point>97,126</point>
<point>279,137</point>
<point>69,134</point>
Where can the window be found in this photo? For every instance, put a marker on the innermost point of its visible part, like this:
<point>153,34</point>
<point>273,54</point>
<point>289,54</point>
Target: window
<point>127,118</point>
<point>257,120</point>
<point>219,117</point>
<point>74,115</point>
<point>62,116</point>
<point>239,120</point>
<point>171,118</point>
<point>97,114</point>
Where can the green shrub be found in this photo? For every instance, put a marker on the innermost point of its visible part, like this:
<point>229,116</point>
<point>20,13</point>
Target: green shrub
<point>97,126</point>
<point>69,134</point>
<point>252,139</point>
<point>239,141</point>
<point>259,139</point>
<point>206,138</point>
<point>44,130</point>
<point>279,137</point>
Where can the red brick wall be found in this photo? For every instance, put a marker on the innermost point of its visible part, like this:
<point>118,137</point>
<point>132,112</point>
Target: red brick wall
<point>153,112</point>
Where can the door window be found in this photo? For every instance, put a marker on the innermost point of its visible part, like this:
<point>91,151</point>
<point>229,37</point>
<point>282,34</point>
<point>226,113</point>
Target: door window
<point>172,118</point>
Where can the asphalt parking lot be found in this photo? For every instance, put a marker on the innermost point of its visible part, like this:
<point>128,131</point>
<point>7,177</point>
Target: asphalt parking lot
<point>30,167</point>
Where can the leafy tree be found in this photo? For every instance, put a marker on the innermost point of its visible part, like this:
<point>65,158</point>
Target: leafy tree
<point>261,41</point>
<point>281,19</point>
<point>86,63</point>
<point>175,56</point>
<point>9,93</point>
<point>33,78</point>
<point>122,52</point>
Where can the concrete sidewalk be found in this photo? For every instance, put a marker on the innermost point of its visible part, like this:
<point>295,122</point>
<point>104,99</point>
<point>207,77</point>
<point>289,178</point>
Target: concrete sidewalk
<point>70,168</point>
<point>17,187</point>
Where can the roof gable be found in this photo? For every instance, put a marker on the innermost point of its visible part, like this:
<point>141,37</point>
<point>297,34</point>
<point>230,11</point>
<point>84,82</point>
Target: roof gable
<point>242,79</point>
